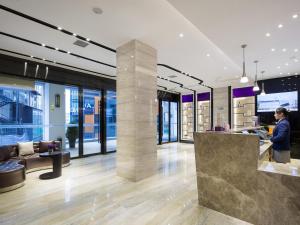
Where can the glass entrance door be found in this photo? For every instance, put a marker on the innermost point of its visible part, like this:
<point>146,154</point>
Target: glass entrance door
<point>173,121</point>
<point>91,122</point>
<point>165,121</point>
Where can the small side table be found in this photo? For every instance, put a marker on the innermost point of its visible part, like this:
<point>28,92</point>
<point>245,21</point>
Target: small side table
<point>56,162</point>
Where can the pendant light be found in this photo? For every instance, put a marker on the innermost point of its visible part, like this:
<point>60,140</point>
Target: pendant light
<point>244,78</point>
<point>256,87</point>
<point>262,84</point>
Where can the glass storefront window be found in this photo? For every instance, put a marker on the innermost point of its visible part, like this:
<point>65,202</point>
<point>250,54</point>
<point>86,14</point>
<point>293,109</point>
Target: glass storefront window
<point>21,114</point>
<point>111,117</point>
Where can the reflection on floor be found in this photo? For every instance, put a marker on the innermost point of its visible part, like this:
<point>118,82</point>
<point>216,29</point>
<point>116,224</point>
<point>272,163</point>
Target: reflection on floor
<point>89,192</point>
<point>91,147</point>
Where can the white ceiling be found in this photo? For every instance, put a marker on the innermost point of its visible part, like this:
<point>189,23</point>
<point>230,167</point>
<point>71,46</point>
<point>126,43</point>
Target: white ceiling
<point>209,27</point>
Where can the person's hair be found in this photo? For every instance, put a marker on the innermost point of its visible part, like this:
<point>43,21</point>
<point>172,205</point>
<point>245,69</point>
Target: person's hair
<point>282,110</point>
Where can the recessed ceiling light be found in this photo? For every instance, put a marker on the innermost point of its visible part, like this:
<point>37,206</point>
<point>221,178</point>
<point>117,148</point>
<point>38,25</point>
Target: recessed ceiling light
<point>56,49</point>
<point>43,45</point>
<point>44,59</point>
<point>280,73</point>
<point>54,61</point>
<point>286,64</point>
<point>88,39</point>
<point>59,28</point>
<point>296,73</point>
<point>68,52</point>
<point>268,34</point>
<point>208,55</point>
<point>273,49</point>
<point>280,25</point>
<point>278,67</point>
<point>284,49</point>
<point>74,34</point>
<point>296,50</point>
<point>295,16</point>
<point>181,35</point>
<point>225,68</point>
<point>288,73</point>
<point>296,60</point>
<point>31,56</point>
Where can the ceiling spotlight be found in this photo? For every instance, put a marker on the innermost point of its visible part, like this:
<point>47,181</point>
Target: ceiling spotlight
<point>31,56</point>
<point>296,60</point>
<point>288,73</point>
<point>56,49</point>
<point>296,73</point>
<point>181,35</point>
<point>295,16</point>
<point>280,25</point>
<point>44,59</point>
<point>273,49</point>
<point>59,28</point>
<point>296,50</point>
<point>68,52</point>
<point>74,34</point>
<point>268,34</point>
<point>208,55</point>
<point>284,49</point>
<point>280,73</point>
<point>87,39</point>
<point>286,64</point>
<point>43,45</point>
<point>278,67</point>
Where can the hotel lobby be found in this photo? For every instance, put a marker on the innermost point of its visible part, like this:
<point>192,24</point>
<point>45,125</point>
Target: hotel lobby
<point>150,112</point>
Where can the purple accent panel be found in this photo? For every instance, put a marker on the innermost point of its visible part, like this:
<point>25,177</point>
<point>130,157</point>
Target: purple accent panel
<point>203,96</point>
<point>243,92</point>
<point>187,98</point>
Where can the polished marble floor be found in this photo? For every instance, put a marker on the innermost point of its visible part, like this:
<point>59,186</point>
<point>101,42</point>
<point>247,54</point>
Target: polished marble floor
<point>89,192</point>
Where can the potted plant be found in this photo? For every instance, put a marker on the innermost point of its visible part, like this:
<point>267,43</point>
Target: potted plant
<point>72,135</point>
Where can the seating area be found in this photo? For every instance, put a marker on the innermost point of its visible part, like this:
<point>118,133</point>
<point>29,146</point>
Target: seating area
<point>15,163</point>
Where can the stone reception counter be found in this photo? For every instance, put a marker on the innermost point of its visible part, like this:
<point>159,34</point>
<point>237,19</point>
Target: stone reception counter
<point>232,179</point>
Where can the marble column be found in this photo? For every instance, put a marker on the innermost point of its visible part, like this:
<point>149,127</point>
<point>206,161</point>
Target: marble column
<point>136,110</point>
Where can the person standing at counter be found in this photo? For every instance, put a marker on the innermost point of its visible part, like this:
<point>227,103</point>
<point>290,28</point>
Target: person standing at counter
<point>281,137</point>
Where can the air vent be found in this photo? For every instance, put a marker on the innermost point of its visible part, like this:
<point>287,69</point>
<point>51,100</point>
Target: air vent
<point>172,76</point>
<point>80,43</point>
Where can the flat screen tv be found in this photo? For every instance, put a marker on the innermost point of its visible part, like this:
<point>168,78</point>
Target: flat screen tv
<point>269,102</point>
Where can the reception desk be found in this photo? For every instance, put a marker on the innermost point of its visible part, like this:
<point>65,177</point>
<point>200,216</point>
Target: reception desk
<point>233,178</point>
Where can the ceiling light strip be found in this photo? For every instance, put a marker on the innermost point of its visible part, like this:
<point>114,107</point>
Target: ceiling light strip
<point>84,39</point>
<point>57,63</point>
<point>178,71</point>
<point>53,27</point>
<point>53,48</point>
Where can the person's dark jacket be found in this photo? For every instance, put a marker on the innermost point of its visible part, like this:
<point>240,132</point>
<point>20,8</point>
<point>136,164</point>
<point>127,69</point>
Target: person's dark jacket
<point>281,136</point>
